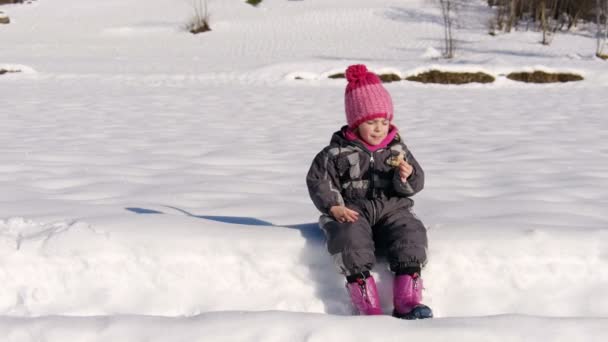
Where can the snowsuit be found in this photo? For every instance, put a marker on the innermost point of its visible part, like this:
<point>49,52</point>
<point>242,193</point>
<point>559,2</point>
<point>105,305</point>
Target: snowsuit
<point>347,173</point>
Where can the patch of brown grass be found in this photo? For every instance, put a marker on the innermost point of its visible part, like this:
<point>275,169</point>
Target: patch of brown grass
<point>447,77</point>
<point>388,78</point>
<point>543,77</point>
<point>4,71</point>
<point>5,2</point>
<point>602,56</point>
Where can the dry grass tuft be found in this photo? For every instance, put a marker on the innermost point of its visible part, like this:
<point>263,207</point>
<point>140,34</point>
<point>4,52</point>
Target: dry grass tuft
<point>602,56</point>
<point>197,25</point>
<point>199,22</point>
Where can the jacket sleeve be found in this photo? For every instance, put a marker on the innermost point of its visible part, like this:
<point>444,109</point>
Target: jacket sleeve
<point>323,182</point>
<point>414,183</point>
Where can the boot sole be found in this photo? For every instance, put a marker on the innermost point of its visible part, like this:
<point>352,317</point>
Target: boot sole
<point>419,312</point>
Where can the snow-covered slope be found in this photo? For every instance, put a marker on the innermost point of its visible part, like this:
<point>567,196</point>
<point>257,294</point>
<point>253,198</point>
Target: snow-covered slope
<point>153,181</point>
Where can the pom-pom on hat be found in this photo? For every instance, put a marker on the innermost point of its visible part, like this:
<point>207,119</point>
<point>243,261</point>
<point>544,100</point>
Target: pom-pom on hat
<point>365,98</point>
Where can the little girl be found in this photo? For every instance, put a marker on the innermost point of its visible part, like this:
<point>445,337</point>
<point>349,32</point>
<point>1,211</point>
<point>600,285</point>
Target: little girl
<point>362,183</point>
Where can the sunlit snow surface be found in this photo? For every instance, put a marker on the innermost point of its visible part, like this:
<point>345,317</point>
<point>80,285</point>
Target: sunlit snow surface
<point>153,181</point>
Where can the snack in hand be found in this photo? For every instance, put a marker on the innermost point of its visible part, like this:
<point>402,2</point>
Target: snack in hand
<point>395,160</point>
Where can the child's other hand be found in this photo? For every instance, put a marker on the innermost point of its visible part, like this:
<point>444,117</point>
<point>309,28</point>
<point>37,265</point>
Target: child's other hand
<point>343,214</point>
<point>405,170</point>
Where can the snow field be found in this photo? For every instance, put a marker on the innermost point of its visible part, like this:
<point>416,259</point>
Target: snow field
<point>153,181</point>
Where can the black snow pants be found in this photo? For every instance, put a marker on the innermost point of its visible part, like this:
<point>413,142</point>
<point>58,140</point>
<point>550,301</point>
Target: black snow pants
<point>385,226</point>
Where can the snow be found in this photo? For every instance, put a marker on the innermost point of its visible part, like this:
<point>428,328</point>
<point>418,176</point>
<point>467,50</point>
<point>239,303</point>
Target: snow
<point>153,181</point>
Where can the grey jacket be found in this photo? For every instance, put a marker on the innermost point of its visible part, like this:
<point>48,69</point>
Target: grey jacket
<point>347,173</point>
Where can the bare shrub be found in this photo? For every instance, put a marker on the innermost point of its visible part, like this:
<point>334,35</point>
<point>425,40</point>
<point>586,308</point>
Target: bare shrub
<point>199,22</point>
<point>447,12</point>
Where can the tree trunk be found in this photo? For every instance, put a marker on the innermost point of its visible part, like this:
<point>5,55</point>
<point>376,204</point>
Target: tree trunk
<point>512,13</point>
<point>544,24</point>
<point>450,38</point>
<point>448,51</point>
<point>602,28</point>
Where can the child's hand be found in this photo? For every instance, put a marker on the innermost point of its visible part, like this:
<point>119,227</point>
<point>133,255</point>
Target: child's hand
<point>405,170</point>
<point>343,214</point>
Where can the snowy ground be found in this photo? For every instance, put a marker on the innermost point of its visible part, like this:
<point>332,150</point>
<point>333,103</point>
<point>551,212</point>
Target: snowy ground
<point>153,181</point>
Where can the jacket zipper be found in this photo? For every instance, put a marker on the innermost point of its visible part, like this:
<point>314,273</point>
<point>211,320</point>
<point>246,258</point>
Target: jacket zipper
<point>371,175</point>
<point>373,187</point>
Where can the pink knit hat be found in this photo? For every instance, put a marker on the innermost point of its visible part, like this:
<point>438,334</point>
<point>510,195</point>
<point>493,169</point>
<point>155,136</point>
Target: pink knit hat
<point>365,98</point>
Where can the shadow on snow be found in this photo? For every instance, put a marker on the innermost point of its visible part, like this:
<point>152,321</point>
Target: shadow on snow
<point>328,284</point>
<point>310,231</point>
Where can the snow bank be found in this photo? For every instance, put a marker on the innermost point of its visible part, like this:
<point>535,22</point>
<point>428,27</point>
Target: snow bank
<point>204,264</point>
<point>296,327</point>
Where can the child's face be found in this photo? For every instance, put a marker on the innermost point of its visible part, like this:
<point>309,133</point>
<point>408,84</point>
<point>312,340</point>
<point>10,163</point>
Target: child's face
<point>374,131</point>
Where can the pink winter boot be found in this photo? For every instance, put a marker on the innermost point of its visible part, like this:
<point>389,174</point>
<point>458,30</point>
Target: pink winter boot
<point>364,295</point>
<point>407,297</point>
